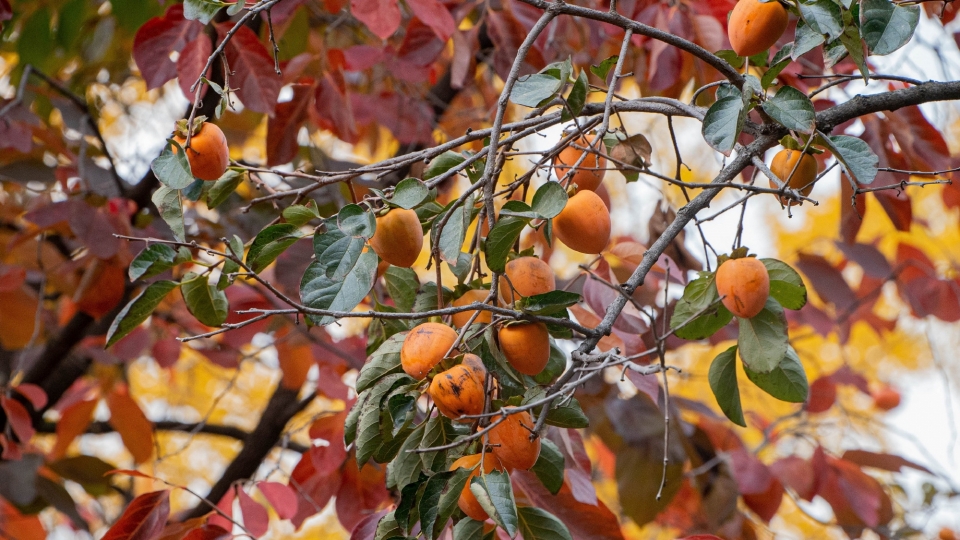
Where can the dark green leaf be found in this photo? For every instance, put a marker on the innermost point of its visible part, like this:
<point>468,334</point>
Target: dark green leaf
<point>538,524</point>
<point>549,466</point>
<point>468,529</point>
<point>270,243</point>
<point>732,58</point>
<point>355,221</point>
<point>567,415</point>
<point>173,169</point>
<point>780,60</point>
<point>887,26</point>
<point>320,292</point>
<point>205,301</point>
<point>340,257</point>
<point>388,528</point>
<point>154,259</point>
<point>402,285</point>
<point>559,70</point>
<point>723,382</point>
<point>300,214</point>
<point>700,295</point>
<point>518,209</point>
<point>602,69</point>
<point>410,192</point>
<point>857,158</point>
<point>495,494</point>
<point>454,232</point>
<point>548,303</point>
<point>440,499</point>
<point>786,285</point>
<point>439,165</point>
<point>461,268</point>
<point>439,432</point>
<point>405,469</point>
<point>763,338</point>
<point>501,240</point>
<point>194,191</point>
<point>577,98</point>
<point>823,17</point>
<point>88,471</point>
<point>792,108</point>
<point>723,123</point>
<point>806,40</point>
<point>353,418</point>
<point>235,248</point>
<point>787,382</point>
<point>555,366</point>
<point>833,53</point>
<point>854,46</point>
<point>58,497</point>
<point>383,362</point>
<point>221,190</point>
<point>549,200</point>
<point>138,310</point>
<point>530,90</point>
<point>168,204</point>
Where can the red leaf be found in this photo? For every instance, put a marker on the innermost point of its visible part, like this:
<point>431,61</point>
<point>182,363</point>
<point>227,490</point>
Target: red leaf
<point>209,532</point>
<point>847,376</point>
<point>897,206</point>
<point>823,394</point>
<point>435,15</point>
<point>701,537</point>
<point>752,476</point>
<point>166,351</point>
<point>465,46</point>
<point>143,519</point>
<point>367,528</point>
<point>334,6</point>
<point>73,422</point>
<point>767,503</point>
<point>283,127</point>
<point>854,495</point>
<point>333,108</point>
<point>329,428</point>
<point>6,11</point>
<point>420,46</point>
<point>887,462</point>
<point>580,486</point>
<point>258,84</point>
<point>11,277</point>
<point>921,143</point>
<point>360,491</point>
<point>314,490</point>
<point>595,522</point>
<point>19,419</point>
<point>797,474</point>
<point>281,497</point>
<point>36,395</point>
<point>132,425</point>
<point>159,37</point>
<point>192,60</point>
<point>382,17</point>
<point>17,526</point>
<point>851,213</point>
<point>826,280</point>
<point>96,229</point>
<point>255,517</point>
<point>225,507</point>
<point>868,257</point>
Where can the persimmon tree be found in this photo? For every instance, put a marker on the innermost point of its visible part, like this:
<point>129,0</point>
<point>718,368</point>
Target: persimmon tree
<point>403,299</point>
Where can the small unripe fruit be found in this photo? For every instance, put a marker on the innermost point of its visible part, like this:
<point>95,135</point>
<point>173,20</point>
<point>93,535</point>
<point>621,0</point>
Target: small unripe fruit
<point>424,347</point>
<point>398,238</point>
<point>756,26</point>
<point>744,285</point>
<point>584,223</point>
<point>460,390</point>
<point>511,444</point>
<point>208,155</point>
<point>469,297</point>
<point>467,501</point>
<point>526,276</point>
<point>526,346</point>
<point>588,175</point>
<point>802,180</point>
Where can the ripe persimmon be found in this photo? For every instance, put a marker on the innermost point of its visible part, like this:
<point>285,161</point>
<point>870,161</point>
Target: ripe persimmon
<point>802,180</point>
<point>469,297</point>
<point>511,442</point>
<point>584,223</point>
<point>460,390</point>
<point>467,501</point>
<point>398,238</point>
<point>744,285</point>
<point>209,155</point>
<point>526,276</point>
<point>101,288</point>
<point>589,173</point>
<point>756,26</point>
<point>424,347</point>
<point>526,346</point>
<point>886,398</point>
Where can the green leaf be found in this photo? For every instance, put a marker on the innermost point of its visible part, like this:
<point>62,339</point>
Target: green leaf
<point>806,40</point>
<point>887,26</point>
<point>548,303</point>
<point>410,192</point>
<point>194,191</point>
<point>549,466</point>
<point>576,99</point>
<point>339,259</point>
<point>368,425</point>
<point>777,64</point>
<point>353,220</point>
<point>468,529</point>
<point>495,494</point>
<point>853,44</point>
<point>270,243</point>
<point>454,232</point>
<point>154,259</point>
<point>138,310</point>
<point>353,418</point>
<point>732,58</point>
<point>205,301</point>
<point>786,285</point>
<point>559,70</point>
<point>727,90</point>
<point>567,415</point>
<point>168,204</point>
<point>402,285</point>
<point>602,69</point>
<point>318,291</point>
<point>751,88</point>
<point>201,10</point>
<point>300,214</point>
<point>833,53</point>
<point>501,240</point>
<point>530,90</point>
<point>439,165</point>
<point>461,268</point>
<point>787,382</point>
<point>406,467</point>
<point>173,169</point>
<point>723,123</point>
<point>555,366</point>
<point>823,17</point>
<point>235,8</point>
<point>439,432</point>
<point>388,528</point>
<point>723,382</point>
<point>235,248</point>
<point>221,190</point>
<point>440,500</point>
<point>549,200</point>
<point>538,524</point>
<point>700,294</point>
<point>857,158</point>
<point>519,209</point>
<point>763,338</point>
<point>88,471</point>
<point>383,362</point>
<point>793,109</point>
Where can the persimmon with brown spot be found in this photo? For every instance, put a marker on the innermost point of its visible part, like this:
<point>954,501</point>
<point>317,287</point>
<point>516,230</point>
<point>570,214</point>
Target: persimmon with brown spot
<point>398,238</point>
<point>424,347</point>
<point>584,223</point>
<point>589,173</point>
<point>460,390</point>
<point>511,443</point>
<point>797,169</point>
<point>473,295</point>
<point>756,26</point>
<point>467,501</point>
<point>744,285</point>
<point>526,346</point>
<point>526,276</point>
<point>209,155</point>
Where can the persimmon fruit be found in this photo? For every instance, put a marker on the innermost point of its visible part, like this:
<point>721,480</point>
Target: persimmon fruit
<point>467,501</point>
<point>886,398</point>
<point>756,26</point>
<point>526,346</point>
<point>398,238</point>
<point>511,444</point>
<point>584,223</point>
<point>473,295</point>
<point>589,173</point>
<point>101,288</point>
<point>744,285</point>
<point>460,390</point>
<point>526,276</point>
<point>424,347</point>
<point>802,180</point>
<point>208,155</point>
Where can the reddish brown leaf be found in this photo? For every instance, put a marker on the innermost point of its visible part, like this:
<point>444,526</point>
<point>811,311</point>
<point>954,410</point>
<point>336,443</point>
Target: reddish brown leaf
<point>159,37</point>
<point>143,519</point>
<point>823,394</point>
<point>209,532</point>
<point>852,211</point>
<point>868,257</point>
<point>35,394</point>
<point>596,522</point>
<point>314,490</point>
<point>132,425</point>
<point>19,419</point>
<point>797,474</point>
<point>465,46</point>
<point>854,495</point>
<point>701,537</point>
<point>281,497</point>
<point>17,526</point>
<point>845,375</point>
<point>255,517</point>
<point>420,45</point>
<point>6,11</point>
<point>130,472</point>
<point>382,17</point>
<point>258,85</point>
<point>332,107</point>
<point>218,518</point>
<point>334,6</point>
<point>95,228</point>
<point>887,462</point>
<point>192,59</point>
<point>921,143</point>
<point>360,492</point>
<point>367,528</point>
<point>284,126</point>
<point>826,280</point>
<point>166,351</point>
<point>752,476</point>
<point>11,277</point>
<point>435,15</point>
<point>766,504</point>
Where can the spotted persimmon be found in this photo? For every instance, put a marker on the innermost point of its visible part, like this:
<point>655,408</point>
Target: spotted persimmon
<point>526,276</point>
<point>511,444</point>
<point>744,285</point>
<point>398,238</point>
<point>424,347</point>
<point>886,398</point>
<point>526,346</point>
<point>100,289</point>
<point>589,173</point>
<point>584,223</point>
<point>756,26</point>
<point>460,390</point>
<point>208,155</point>
<point>473,295</point>
<point>467,501</point>
<point>801,179</point>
